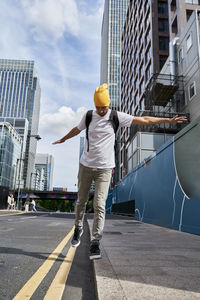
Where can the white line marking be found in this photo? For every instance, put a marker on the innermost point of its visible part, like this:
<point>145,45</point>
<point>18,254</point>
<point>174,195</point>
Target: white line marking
<point>26,218</point>
<point>181,217</point>
<point>176,170</point>
<point>174,201</point>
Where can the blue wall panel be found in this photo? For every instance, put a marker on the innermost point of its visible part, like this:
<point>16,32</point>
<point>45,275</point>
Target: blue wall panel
<point>159,184</point>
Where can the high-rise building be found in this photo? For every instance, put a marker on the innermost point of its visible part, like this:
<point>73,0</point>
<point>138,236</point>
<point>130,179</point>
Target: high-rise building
<point>112,27</point>
<point>179,14</point>
<point>21,127</point>
<point>42,178</point>
<point>184,61</point>
<point>20,98</point>
<point>10,152</point>
<point>145,49</point>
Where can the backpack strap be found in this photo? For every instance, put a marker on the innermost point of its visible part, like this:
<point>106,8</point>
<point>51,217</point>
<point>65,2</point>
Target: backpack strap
<point>88,120</point>
<point>114,120</point>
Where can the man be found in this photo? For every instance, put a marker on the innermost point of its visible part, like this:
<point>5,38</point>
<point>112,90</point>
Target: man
<point>33,205</point>
<point>9,202</point>
<point>98,160</point>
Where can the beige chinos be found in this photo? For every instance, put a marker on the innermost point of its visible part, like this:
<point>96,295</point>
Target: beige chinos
<point>101,178</point>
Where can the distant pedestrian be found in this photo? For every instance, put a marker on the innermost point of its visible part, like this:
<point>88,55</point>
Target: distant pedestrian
<point>33,205</point>
<point>9,202</point>
<point>26,206</point>
<point>12,201</point>
<point>98,160</point>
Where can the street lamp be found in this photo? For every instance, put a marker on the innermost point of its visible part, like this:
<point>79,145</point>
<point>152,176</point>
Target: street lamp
<point>37,137</point>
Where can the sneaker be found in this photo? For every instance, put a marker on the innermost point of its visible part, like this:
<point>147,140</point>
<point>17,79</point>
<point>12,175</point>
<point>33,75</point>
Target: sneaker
<point>76,240</point>
<point>95,251</point>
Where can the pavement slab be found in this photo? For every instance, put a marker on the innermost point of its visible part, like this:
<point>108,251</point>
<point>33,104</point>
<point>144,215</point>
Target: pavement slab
<point>146,262</point>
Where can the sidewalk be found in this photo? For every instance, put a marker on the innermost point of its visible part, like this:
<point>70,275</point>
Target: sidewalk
<point>146,262</point>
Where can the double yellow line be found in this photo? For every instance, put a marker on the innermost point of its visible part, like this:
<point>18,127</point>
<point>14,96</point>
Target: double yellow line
<point>56,289</point>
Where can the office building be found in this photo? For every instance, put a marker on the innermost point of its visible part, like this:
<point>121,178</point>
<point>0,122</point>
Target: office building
<point>42,177</point>
<point>21,127</point>
<point>184,61</point>
<point>144,91</point>
<point>112,27</point>
<point>20,98</point>
<point>179,14</point>
<point>10,152</point>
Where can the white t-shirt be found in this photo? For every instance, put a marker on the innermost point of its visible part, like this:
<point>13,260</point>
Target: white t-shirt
<point>101,134</point>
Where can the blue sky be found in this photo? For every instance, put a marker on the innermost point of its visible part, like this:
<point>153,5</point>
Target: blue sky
<point>63,37</point>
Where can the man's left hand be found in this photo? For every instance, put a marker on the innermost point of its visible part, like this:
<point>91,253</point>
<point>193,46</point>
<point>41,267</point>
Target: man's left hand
<point>177,119</point>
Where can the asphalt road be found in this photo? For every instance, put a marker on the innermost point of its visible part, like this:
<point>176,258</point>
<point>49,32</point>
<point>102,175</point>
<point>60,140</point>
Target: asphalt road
<point>38,262</point>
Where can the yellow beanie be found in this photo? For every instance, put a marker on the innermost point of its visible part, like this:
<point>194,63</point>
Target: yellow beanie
<point>101,95</point>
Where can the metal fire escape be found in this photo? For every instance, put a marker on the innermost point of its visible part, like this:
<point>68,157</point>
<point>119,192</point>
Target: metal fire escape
<point>164,97</point>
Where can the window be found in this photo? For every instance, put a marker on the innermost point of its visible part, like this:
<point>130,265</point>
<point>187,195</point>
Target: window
<point>162,8</point>
<point>180,56</point>
<point>189,42</point>
<point>163,43</point>
<point>163,25</point>
<point>192,90</point>
<point>192,1</point>
<point>162,60</point>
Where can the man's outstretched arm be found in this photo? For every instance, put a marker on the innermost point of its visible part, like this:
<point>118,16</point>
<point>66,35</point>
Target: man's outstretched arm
<point>155,120</point>
<point>75,131</point>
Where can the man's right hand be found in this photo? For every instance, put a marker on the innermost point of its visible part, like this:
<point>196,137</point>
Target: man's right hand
<point>58,142</point>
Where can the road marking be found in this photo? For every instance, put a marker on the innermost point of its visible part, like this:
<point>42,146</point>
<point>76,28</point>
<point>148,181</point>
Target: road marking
<point>7,229</point>
<point>11,214</point>
<point>53,224</point>
<point>23,218</point>
<point>57,286</point>
<point>32,284</point>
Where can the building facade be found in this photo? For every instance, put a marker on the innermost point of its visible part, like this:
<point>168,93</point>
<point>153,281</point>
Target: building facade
<point>20,98</point>
<point>42,178</point>
<point>185,54</point>
<point>179,14</point>
<point>112,27</point>
<point>10,152</point>
<point>145,48</point>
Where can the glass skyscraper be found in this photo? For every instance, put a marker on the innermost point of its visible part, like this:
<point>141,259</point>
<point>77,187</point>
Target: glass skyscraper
<point>10,148</point>
<point>20,98</point>
<point>112,28</point>
<point>43,179</point>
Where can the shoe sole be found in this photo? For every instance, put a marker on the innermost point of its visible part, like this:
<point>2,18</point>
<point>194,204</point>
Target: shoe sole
<point>97,256</point>
<point>76,245</point>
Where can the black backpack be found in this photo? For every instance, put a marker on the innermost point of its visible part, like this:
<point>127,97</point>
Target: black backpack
<point>113,118</point>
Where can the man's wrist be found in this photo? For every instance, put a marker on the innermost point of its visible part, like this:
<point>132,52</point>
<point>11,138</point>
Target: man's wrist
<point>168,120</point>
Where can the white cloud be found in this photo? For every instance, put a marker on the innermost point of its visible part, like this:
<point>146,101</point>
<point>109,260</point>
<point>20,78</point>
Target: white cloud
<point>59,123</point>
<point>91,23</point>
<point>66,156</point>
<point>63,38</point>
<point>66,160</point>
<point>51,18</point>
